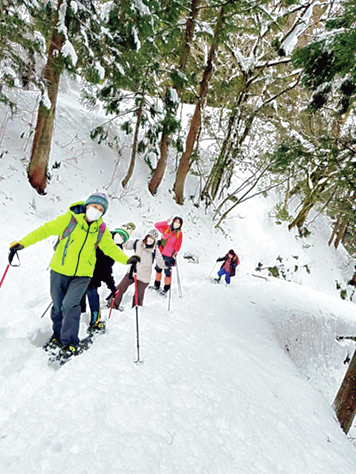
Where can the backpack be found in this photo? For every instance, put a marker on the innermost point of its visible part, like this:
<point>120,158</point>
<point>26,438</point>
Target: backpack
<point>163,240</point>
<point>153,253</point>
<point>69,229</point>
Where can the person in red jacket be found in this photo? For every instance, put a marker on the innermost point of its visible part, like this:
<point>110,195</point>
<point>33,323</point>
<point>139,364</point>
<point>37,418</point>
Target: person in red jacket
<point>228,268</point>
<point>171,242</point>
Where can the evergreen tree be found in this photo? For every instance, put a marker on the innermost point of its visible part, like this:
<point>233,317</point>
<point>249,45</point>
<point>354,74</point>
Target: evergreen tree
<point>73,33</point>
<point>19,47</point>
<point>179,79</point>
<point>256,81</point>
<point>329,72</point>
<point>223,22</point>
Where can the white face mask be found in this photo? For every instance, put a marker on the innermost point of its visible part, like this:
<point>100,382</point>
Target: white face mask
<point>176,225</point>
<point>118,239</point>
<point>93,214</point>
<point>150,241</point>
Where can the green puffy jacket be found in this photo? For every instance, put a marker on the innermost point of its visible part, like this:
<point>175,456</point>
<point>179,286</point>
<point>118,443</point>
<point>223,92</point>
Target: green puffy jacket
<point>77,258</point>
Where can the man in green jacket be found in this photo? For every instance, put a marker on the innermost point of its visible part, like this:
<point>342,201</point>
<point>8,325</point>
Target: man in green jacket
<point>80,231</point>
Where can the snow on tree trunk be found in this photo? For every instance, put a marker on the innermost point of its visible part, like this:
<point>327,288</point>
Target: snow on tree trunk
<point>345,400</point>
<point>37,169</point>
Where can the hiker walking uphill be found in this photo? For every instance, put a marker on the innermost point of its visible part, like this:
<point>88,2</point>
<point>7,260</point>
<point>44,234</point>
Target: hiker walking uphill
<point>148,253</point>
<point>171,242</point>
<point>103,273</point>
<point>80,230</point>
<point>228,268</point>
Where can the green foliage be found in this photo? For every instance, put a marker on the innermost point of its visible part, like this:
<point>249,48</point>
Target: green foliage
<point>331,62</point>
<point>281,213</point>
<point>126,127</point>
<point>290,153</point>
<point>343,291</point>
<point>99,134</point>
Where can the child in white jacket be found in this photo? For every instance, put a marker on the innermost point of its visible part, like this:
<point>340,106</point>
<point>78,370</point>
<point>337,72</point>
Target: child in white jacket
<point>148,253</point>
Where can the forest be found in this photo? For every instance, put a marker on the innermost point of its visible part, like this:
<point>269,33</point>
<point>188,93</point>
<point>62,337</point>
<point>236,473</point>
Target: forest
<point>272,86</point>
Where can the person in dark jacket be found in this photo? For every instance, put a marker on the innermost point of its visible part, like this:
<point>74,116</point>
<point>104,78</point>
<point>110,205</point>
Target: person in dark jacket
<point>228,268</point>
<point>103,273</point>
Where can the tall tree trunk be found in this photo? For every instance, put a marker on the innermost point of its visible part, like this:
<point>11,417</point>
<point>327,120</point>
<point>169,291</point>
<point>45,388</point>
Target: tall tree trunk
<point>161,165</point>
<point>299,221</point>
<point>37,169</point>
<point>184,162</point>
<point>213,182</point>
<point>340,226</point>
<point>345,400</point>
<point>319,181</point>
<point>158,173</point>
<point>134,145</point>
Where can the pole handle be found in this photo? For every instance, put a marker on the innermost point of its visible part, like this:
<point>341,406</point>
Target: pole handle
<point>112,302</point>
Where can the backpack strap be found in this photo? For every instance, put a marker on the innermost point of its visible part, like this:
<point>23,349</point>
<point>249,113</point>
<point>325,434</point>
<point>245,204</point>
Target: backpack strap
<point>67,231</point>
<point>100,234</point>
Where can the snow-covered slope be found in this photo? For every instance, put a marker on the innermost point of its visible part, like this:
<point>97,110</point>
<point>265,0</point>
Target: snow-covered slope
<point>235,379</point>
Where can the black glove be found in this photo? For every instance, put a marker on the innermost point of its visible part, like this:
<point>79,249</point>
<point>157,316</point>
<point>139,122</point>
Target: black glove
<point>112,295</point>
<point>14,248</point>
<point>134,259</point>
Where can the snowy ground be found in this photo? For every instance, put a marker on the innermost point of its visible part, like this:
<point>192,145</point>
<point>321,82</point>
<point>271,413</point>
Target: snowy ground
<point>235,379</point>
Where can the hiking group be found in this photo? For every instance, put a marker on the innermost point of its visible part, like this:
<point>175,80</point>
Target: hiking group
<point>83,258</point>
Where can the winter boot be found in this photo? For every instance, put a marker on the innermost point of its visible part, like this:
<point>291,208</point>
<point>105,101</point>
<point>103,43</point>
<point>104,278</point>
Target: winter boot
<point>96,324</point>
<point>217,280</point>
<point>53,344</point>
<point>70,350</point>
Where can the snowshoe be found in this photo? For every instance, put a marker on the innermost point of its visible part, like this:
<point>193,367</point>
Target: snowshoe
<point>99,328</point>
<point>68,351</point>
<point>52,346</point>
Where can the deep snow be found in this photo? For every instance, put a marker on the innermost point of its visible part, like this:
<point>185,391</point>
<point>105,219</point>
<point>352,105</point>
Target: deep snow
<point>235,379</point>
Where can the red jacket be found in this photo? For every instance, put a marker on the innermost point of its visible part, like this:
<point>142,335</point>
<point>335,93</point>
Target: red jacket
<point>171,240</point>
<point>229,265</point>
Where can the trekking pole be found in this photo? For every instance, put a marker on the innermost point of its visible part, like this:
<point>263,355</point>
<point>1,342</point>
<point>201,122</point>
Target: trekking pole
<point>4,275</point>
<point>180,293</point>
<point>112,302</point>
<point>137,361</point>
<point>11,256</point>
<point>170,292</point>
<point>47,309</point>
<point>211,271</point>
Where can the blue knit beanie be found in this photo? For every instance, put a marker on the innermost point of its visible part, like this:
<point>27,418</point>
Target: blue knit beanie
<point>98,198</point>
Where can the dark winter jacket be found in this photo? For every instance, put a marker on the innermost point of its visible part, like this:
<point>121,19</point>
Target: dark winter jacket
<point>235,261</point>
<point>103,271</point>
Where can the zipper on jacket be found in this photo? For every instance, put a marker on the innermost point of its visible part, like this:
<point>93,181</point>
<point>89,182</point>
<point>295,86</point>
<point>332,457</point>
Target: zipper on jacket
<point>80,251</point>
